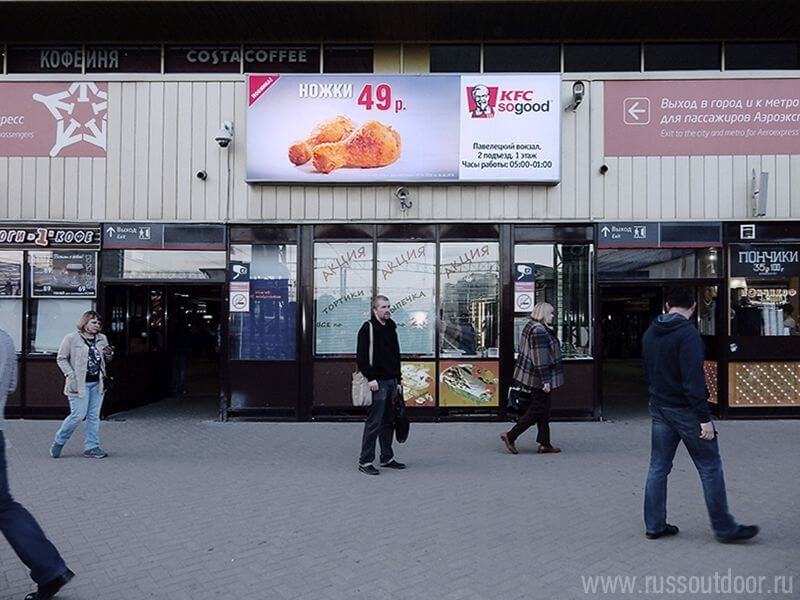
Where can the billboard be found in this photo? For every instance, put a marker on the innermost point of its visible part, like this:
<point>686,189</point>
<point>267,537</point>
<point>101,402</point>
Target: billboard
<point>719,117</point>
<point>403,128</point>
<point>53,119</point>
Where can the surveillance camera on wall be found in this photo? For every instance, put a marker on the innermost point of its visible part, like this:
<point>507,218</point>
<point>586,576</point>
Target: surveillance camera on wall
<point>225,135</point>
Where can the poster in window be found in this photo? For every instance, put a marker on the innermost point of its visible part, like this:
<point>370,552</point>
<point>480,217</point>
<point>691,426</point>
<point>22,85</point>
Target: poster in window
<point>10,274</point>
<point>419,383</point>
<point>469,384</point>
<point>407,276</point>
<point>63,274</point>
<point>267,330</point>
<point>342,294</point>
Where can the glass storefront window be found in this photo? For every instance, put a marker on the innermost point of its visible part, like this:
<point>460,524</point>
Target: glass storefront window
<point>207,265</point>
<point>51,319</point>
<point>469,279</point>
<point>267,330</point>
<point>764,286</point>
<point>764,307</point>
<point>342,294</point>
<point>10,274</point>
<point>11,320</point>
<point>407,276</point>
<point>557,274</point>
<point>663,263</point>
<point>707,309</point>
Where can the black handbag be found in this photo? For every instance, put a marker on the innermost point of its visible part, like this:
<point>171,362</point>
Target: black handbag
<point>401,422</point>
<point>519,400</point>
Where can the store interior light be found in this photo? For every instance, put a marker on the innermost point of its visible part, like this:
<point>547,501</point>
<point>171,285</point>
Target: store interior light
<point>738,282</point>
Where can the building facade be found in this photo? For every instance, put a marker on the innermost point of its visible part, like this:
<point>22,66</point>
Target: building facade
<point>143,171</point>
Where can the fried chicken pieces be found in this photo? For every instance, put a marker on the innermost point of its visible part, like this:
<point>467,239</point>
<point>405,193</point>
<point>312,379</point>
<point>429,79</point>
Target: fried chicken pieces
<point>332,130</point>
<point>372,145</point>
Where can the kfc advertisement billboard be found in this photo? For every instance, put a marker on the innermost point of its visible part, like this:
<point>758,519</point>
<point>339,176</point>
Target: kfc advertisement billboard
<point>53,119</point>
<point>403,128</point>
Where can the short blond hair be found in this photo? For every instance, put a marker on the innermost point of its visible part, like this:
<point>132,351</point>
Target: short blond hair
<point>86,317</point>
<point>541,311</point>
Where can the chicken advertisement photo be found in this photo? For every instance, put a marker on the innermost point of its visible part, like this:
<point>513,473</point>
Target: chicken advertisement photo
<point>360,129</point>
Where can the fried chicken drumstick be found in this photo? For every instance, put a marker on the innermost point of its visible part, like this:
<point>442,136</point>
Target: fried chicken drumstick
<point>332,130</point>
<point>372,145</point>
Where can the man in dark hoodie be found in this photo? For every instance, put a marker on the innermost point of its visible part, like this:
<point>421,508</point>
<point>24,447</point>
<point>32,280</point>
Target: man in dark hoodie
<point>381,367</point>
<point>673,361</point>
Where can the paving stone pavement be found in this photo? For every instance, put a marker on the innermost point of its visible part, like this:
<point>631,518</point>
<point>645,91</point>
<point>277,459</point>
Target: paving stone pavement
<point>187,508</point>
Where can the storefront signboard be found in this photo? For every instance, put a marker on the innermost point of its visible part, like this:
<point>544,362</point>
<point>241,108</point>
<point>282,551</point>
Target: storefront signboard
<point>63,274</point>
<point>157,236</point>
<point>406,128</point>
<point>94,59</point>
<point>46,119</point>
<point>762,260</point>
<point>32,236</point>
<point>716,117</point>
<point>524,286</point>
<point>202,59</point>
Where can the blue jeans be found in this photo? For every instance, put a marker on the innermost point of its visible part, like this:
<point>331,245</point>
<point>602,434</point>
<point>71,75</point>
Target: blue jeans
<point>380,423</point>
<point>671,426</point>
<point>24,534</point>
<point>83,407</point>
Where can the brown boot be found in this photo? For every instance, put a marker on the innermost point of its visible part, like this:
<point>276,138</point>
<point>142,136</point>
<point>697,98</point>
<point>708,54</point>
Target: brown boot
<point>509,444</point>
<point>548,449</point>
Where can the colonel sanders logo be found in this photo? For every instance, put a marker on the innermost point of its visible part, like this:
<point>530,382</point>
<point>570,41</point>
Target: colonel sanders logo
<point>481,101</point>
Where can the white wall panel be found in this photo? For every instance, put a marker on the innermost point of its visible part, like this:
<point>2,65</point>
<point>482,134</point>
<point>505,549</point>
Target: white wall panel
<point>161,134</point>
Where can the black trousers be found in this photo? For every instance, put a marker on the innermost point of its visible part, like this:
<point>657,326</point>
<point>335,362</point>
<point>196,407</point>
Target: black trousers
<point>538,413</point>
<point>379,425</point>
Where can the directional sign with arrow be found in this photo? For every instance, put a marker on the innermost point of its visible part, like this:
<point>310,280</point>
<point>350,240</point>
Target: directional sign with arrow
<point>636,111</point>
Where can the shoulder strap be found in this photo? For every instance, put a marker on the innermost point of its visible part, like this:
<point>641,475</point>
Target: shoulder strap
<point>370,343</point>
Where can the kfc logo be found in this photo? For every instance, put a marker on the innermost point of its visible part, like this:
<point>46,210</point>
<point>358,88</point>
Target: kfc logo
<point>481,101</point>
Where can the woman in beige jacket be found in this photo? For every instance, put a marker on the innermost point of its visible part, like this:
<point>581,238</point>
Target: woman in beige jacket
<point>82,357</point>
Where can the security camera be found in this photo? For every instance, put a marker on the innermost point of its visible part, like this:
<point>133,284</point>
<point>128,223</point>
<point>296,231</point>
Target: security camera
<point>578,91</point>
<point>403,194</point>
<point>225,135</point>
<point>201,175</point>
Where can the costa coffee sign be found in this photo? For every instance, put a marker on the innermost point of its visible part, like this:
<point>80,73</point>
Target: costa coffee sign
<point>25,236</point>
<point>53,119</point>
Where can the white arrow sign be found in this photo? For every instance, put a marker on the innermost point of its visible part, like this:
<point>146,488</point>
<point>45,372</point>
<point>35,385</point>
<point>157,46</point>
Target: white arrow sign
<point>111,231</point>
<point>605,231</point>
<point>634,111</point>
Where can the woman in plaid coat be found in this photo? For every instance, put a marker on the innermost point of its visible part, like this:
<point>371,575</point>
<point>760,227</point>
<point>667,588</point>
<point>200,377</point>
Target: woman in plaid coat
<point>539,369</point>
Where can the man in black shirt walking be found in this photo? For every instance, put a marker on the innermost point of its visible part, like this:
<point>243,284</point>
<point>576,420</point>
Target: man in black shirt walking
<point>383,375</point>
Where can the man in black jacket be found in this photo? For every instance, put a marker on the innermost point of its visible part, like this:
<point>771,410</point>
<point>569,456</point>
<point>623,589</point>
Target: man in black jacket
<point>383,374</point>
<point>673,360</point>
